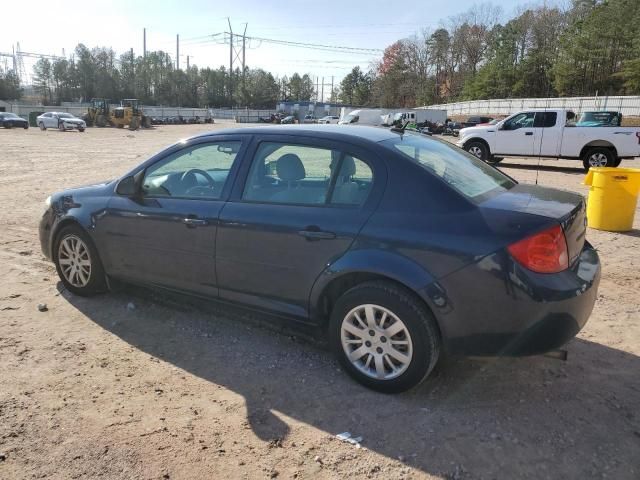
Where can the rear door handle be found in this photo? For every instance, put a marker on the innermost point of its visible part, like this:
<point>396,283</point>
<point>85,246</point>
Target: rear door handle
<point>192,222</point>
<point>528,133</point>
<point>317,235</point>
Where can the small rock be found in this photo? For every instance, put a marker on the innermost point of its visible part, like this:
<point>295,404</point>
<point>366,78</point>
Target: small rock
<point>274,474</point>
<point>131,306</point>
<point>42,307</point>
<point>3,457</point>
<point>317,459</point>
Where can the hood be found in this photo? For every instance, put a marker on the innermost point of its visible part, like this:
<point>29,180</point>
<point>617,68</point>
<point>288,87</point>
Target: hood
<point>72,120</point>
<point>96,189</point>
<point>477,128</point>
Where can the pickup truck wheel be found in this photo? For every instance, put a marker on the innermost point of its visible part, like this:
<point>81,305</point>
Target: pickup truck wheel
<point>478,149</point>
<point>598,157</point>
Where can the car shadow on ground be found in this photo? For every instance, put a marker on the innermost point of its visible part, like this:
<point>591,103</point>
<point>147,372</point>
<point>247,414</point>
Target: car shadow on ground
<point>577,170</point>
<point>474,418</point>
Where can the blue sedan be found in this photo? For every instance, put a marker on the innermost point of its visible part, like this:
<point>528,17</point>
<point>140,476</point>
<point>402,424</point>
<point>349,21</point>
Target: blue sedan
<point>399,246</point>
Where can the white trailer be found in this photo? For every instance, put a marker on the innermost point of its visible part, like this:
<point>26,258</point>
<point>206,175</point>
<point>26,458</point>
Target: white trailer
<point>363,116</point>
<point>419,116</point>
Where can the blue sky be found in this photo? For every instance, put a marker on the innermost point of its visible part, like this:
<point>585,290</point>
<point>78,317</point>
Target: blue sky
<point>51,26</point>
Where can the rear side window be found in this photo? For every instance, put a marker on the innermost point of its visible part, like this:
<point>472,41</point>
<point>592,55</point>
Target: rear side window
<point>306,175</point>
<point>461,171</point>
<point>545,119</point>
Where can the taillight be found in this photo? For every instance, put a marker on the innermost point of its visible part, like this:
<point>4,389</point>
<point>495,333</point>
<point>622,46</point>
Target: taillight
<point>544,252</point>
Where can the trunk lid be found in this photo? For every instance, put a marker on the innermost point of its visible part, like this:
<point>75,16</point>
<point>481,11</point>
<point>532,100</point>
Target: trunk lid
<point>566,207</point>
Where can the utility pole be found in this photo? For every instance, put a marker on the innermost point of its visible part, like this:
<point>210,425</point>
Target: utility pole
<point>317,89</point>
<point>187,63</point>
<point>144,43</point>
<point>331,97</point>
<point>322,94</point>
<point>244,40</point>
<point>177,52</point>
<point>230,62</point>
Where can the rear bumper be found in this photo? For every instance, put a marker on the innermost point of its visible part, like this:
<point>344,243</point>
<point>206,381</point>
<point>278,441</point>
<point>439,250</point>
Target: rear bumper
<point>496,307</point>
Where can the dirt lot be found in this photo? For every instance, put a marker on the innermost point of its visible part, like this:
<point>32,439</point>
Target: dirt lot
<point>93,388</point>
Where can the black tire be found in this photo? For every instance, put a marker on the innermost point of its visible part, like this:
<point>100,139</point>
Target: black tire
<point>493,160</point>
<point>96,283</point>
<point>42,127</point>
<point>617,162</point>
<point>598,157</point>
<point>81,129</point>
<point>478,150</point>
<point>419,322</point>
<point>26,127</point>
<point>101,121</point>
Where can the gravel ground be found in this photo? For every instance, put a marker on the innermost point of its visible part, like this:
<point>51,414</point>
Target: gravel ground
<point>136,385</point>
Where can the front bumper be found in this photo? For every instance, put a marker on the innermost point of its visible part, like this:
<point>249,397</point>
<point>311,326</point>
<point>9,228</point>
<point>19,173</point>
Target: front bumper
<point>497,307</point>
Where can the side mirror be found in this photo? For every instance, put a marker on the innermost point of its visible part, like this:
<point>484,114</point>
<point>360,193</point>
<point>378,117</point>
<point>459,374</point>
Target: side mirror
<point>128,186</point>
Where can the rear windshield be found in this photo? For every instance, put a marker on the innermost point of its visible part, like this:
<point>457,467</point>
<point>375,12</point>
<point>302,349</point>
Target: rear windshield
<point>463,172</point>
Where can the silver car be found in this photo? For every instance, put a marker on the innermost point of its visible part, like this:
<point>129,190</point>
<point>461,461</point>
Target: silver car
<point>60,120</point>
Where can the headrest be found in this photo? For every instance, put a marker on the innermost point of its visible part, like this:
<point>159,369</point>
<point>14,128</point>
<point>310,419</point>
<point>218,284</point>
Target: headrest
<point>348,167</point>
<point>290,168</point>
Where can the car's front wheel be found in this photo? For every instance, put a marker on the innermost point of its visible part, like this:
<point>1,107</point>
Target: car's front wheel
<point>384,337</point>
<point>77,262</point>
<point>478,150</point>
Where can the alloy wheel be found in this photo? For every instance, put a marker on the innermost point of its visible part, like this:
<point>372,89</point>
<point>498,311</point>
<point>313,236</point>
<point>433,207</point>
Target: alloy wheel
<point>376,342</point>
<point>598,160</point>
<point>75,261</point>
<point>476,152</point>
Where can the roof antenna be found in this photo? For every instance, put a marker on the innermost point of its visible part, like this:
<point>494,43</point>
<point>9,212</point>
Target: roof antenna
<point>401,129</point>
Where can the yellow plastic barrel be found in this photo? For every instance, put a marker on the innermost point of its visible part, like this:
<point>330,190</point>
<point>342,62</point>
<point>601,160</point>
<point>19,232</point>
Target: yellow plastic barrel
<point>613,195</point>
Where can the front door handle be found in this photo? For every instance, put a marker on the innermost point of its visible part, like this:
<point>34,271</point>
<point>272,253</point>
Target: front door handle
<point>528,133</point>
<point>192,222</point>
<point>317,235</point>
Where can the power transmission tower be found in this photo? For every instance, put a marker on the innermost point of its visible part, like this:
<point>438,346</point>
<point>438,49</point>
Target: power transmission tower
<point>237,53</point>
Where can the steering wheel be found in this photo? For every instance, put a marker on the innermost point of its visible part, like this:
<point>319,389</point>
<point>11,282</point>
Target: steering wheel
<point>190,177</point>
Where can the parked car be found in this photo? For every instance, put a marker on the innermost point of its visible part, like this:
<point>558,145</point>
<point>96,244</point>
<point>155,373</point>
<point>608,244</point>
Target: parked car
<point>549,133</point>
<point>329,119</point>
<point>309,119</point>
<point>398,246</point>
<point>473,121</point>
<point>288,119</point>
<point>60,120</point>
<point>599,119</point>
<point>10,120</point>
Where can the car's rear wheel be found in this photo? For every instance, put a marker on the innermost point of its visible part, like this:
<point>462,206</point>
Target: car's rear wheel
<point>478,150</point>
<point>77,262</point>
<point>598,157</point>
<point>384,337</point>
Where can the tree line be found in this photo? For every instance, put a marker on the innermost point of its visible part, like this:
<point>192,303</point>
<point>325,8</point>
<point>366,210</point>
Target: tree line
<point>591,47</point>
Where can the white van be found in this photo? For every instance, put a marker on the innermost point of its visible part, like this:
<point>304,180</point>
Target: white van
<point>362,117</point>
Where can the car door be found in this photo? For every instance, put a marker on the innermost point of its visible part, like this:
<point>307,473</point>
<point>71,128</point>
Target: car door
<point>166,234</point>
<point>297,207</point>
<point>515,136</point>
<point>547,134</point>
<point>47,117</point>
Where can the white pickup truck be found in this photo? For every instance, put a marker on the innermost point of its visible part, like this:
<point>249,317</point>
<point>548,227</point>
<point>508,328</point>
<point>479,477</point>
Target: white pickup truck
<point>551,133</point>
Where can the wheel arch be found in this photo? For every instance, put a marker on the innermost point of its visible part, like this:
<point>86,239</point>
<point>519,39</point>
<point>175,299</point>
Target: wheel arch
<point>477,139</point>
<point>361,266</point>
<point>599,144</point>
<point>58,227</point>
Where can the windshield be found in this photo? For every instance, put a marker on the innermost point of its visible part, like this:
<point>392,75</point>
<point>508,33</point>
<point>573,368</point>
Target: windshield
<point>463,172</point>
<point>8,115</point>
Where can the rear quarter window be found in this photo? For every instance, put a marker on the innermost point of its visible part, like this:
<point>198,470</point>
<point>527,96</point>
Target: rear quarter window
<point>463,172</point>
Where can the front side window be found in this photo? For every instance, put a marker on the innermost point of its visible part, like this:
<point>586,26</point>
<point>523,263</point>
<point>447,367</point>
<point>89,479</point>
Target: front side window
<point>522,120</point>
<point>305,175</point>
<point>199,171</point>
<point>463,172</point>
